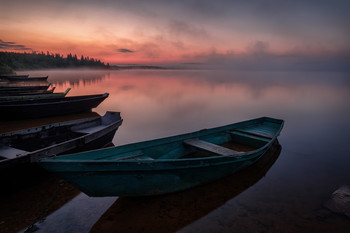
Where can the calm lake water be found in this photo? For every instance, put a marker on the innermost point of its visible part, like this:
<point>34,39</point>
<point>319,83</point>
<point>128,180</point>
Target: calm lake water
<point>288,196</point>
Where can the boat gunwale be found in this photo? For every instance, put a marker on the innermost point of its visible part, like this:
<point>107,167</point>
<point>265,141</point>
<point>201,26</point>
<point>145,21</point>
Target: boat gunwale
<point>34,96</point>
<point>244,156</point>
<point>25,87</point>
<point>50,101</point>
<point>37,152</point>
<point>110,126</point>
<point>157,165</point>
<point>39,128</point>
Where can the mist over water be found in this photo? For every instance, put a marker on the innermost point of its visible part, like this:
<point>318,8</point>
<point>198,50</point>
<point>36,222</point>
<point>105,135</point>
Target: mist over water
<point>313,161</point>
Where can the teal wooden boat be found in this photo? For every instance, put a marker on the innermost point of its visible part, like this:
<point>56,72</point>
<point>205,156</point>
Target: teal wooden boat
<point>169,164</point>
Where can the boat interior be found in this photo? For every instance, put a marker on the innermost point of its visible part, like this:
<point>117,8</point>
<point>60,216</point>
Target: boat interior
<point>29,140</point>
<point>230,142</point>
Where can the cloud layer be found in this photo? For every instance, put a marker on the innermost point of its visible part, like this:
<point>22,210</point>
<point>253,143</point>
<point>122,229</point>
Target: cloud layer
<point>155,31</point>
<point>12,46</point>
<point>125,51</point>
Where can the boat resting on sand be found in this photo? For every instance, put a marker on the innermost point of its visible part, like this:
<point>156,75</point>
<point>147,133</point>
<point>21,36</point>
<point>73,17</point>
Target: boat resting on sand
<point>44,107</point>
<point>35,96</point>
<point>169,164</point>
<point>30,145</point>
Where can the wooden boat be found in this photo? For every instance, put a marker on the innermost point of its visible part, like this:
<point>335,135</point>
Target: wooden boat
<point>13,76</point>
<point>24,87</point>
<point>181,209</point>
<point>27,92</point>
<point>29,145</point>
<point>169,164</point>
<point>25,78</point>
<point>43,78</point>
<point>34,96</point>
<point>33,108</point>
<point>17,89</point>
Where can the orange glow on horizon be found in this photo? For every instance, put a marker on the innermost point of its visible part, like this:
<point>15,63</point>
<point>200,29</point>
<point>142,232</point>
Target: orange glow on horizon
<point>123,34</point>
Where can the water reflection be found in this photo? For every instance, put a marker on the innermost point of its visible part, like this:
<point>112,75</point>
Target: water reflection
<point>314,161</point>
<point>21,207</point>
<point>170,213</point>
<point>27,191</point>
<point>72,77</point>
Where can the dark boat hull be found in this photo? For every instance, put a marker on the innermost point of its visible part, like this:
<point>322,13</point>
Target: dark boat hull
<point>139,182</point>
<point>23,109</point>
<point>13,76</point>
<point>27,93</point>
<point>26,79</point>
<point>185,204</point>
<point>28,96</point>
<point>56,139</point>
<point>17,89</point>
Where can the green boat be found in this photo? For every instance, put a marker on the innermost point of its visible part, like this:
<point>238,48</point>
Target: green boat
<point>169,164</point>
<point>34,96</point>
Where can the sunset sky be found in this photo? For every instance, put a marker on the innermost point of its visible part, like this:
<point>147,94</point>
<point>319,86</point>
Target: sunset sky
<point>159,32</point>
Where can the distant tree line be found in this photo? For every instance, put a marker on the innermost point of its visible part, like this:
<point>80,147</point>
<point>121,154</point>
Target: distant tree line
<point>10,61</point>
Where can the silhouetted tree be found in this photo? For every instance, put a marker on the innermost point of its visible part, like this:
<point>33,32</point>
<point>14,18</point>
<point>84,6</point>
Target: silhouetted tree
<point>34,60</point>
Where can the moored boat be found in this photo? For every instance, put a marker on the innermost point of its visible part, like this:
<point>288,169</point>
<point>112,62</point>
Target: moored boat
<point>14,76</point>
<point>24,78</point>
<point>169,164</point>
<point>20,88</point>
<point>208,197</point>
<point>44,107</point>
<point>27,92</point>
<point>29,145</point>
<point>36,95</point>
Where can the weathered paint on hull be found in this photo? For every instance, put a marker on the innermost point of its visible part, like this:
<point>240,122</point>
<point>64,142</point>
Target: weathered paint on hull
<point>152,181</point>
<point>89,141</point>
<point>169,164</point>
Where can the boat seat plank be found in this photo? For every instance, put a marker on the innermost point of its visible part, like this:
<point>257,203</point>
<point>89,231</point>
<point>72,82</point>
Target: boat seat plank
<point>144,157</point>
<point>90,130</point>
<point>256,133</point>
<point>10,152</point>
<point>238,133</point>
<point>129,156</point>
<point>207,146</point>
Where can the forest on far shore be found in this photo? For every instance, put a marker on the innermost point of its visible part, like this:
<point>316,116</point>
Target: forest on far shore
<point>11,61</point>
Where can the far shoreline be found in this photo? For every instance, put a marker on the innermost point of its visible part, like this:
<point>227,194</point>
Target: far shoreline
<point>111,67</point>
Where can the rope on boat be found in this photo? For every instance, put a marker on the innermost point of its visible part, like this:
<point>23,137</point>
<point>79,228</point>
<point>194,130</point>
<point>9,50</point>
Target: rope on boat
<point>32,228</point>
